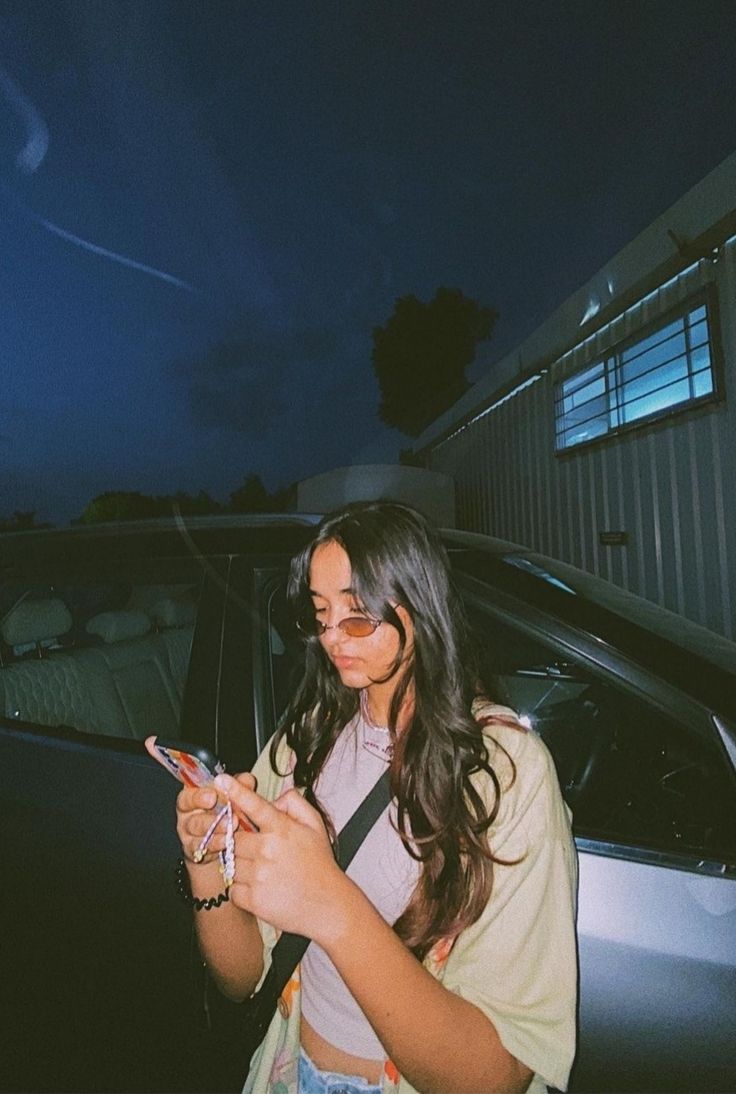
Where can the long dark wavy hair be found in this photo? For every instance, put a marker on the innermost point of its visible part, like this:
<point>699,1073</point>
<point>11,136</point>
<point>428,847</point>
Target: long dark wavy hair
<point>398,559</point>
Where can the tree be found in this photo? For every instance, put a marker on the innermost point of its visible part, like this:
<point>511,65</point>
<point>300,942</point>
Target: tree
<point>132,505</point>
<point>191,505</point>
<point>421,354</point>
<point>121,505</point>
<point>251,497</point>
<point>21,521</point>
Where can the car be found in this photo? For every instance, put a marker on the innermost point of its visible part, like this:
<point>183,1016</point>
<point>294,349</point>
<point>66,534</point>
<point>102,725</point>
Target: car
<point>182,628</point>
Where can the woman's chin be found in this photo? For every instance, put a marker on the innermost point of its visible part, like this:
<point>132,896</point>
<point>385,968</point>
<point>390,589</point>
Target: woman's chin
<point>352,678</point>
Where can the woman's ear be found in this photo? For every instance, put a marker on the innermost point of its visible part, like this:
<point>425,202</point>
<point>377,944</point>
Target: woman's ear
<point>407,624</point>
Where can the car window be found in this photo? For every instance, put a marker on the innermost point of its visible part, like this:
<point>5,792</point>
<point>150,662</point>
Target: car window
<point>631,774</point>
<point>102,652</point>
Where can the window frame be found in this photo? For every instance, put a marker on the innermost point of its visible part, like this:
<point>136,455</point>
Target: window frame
<point>611,361</point>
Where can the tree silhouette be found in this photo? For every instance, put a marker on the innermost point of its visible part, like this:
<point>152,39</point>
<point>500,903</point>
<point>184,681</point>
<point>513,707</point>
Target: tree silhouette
<point>132,505</point>
<point>114,505</point>
<point>22,520</point>
<point>421,354</point>
<point>121,505</point>
<point>251,497</point>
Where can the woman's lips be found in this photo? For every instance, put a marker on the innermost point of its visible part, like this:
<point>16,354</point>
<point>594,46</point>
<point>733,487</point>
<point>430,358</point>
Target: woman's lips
<point>343,662</point>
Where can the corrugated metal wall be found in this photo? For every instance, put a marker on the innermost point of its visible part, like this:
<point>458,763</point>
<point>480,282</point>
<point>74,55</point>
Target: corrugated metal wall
<point>671,486</point>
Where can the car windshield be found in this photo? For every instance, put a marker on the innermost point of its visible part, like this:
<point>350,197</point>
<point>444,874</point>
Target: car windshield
<point>706,644</point>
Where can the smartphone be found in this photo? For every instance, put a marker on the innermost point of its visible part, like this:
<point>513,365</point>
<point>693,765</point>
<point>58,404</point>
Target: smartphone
<point>192,765</point>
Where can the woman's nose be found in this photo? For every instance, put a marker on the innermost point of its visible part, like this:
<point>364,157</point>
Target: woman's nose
<point>332,634</point>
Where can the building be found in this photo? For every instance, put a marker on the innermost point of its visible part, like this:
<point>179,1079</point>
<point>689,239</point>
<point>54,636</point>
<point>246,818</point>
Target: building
<point>608,437</point>
<point>429,491</point>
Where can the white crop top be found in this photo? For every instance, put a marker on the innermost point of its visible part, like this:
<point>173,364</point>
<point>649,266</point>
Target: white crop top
<point>382,868</point>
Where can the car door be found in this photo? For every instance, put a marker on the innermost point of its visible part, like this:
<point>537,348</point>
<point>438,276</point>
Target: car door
<point>101,982</point>
<point>653,797</point>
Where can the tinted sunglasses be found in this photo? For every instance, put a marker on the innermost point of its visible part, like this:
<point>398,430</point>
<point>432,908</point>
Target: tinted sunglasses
<point>354,626</point>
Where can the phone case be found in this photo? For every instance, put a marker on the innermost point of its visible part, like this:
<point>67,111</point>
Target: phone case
<point>190,764</point>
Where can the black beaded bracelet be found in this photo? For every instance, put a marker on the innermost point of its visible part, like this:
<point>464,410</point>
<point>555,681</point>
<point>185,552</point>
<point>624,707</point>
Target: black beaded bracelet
<point>184,889</point>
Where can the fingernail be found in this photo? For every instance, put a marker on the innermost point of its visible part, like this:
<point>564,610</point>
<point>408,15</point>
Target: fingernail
<point>221,782</point>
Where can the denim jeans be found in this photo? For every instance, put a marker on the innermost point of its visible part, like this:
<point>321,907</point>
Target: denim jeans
<point>314,1081</point>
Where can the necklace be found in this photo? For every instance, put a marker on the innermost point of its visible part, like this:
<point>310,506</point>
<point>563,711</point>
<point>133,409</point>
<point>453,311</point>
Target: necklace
<point>375,739</point>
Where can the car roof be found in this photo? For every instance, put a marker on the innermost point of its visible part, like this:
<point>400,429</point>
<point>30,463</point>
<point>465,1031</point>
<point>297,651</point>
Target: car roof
<point>697,660</point>
<point>266,533</point>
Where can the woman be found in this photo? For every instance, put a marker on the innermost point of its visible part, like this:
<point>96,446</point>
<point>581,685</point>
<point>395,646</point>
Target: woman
<point>444,960</point>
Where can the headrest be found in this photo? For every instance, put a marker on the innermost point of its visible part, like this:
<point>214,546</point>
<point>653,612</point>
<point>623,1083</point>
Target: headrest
<point>36,621</point>
<point>171,612</point>
<point>118,626</point>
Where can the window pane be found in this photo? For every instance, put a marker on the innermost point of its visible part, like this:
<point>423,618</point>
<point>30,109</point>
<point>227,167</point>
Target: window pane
<point>580,379</point>
<point>656,401</point>
<point>584,423</point>
<point>703,383</point>
<point>582,407</point>
<point>653,340</point>
<point>114,649</point>
<point>698,335</point>
<point>654,381</point>
<point>578,434</point>
<point>584,395</point>
<point>666,351</point>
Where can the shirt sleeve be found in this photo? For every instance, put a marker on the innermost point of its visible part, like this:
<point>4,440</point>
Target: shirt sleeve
<point>518,962</point>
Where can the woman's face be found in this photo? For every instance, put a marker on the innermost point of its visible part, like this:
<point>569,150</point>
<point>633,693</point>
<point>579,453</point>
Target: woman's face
<point>360,661</point>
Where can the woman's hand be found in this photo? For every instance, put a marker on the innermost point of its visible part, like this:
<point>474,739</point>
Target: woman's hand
<point>285,873</point>
<point>196,809</point>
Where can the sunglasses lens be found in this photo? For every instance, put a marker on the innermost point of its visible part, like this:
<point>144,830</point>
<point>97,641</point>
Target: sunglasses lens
<point>357,626</point>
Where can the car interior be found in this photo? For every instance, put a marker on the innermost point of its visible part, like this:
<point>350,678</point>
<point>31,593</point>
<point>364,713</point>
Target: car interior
<point>631,773</point>
<point>119,670</point>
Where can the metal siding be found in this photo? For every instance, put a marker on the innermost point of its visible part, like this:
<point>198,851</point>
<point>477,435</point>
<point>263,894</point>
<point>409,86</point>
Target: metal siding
<point>656,517</point>
<point>676,486</point>
<point>699,611</point>
<point>722,570</point>
<point>666,485</point>
<point>542,468</point>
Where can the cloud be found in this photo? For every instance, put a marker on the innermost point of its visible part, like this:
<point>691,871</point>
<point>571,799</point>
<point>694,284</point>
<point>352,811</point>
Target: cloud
<point>247,405</point>
<point>33,153</point>
<point>247,383</point>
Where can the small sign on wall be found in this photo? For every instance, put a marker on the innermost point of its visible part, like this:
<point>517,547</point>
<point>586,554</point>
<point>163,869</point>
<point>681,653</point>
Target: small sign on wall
<point>613,539</point>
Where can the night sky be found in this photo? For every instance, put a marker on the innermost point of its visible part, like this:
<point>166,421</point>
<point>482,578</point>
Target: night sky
<point>178,175</point>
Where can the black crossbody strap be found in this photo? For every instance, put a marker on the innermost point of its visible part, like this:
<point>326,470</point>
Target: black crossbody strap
<point>289,950</point>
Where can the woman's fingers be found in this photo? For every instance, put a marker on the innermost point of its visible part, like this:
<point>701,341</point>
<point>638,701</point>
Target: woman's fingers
<point>247,804</point>
<point>198,810</point>
<point>295,806</point>
<point>196,797</point>
<point>200,816</point>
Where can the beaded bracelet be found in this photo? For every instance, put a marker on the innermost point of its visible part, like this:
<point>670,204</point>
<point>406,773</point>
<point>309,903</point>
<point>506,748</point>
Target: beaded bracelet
<point>184,889</point>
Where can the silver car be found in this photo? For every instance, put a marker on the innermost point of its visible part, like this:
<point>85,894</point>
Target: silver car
<point>110,633</point>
